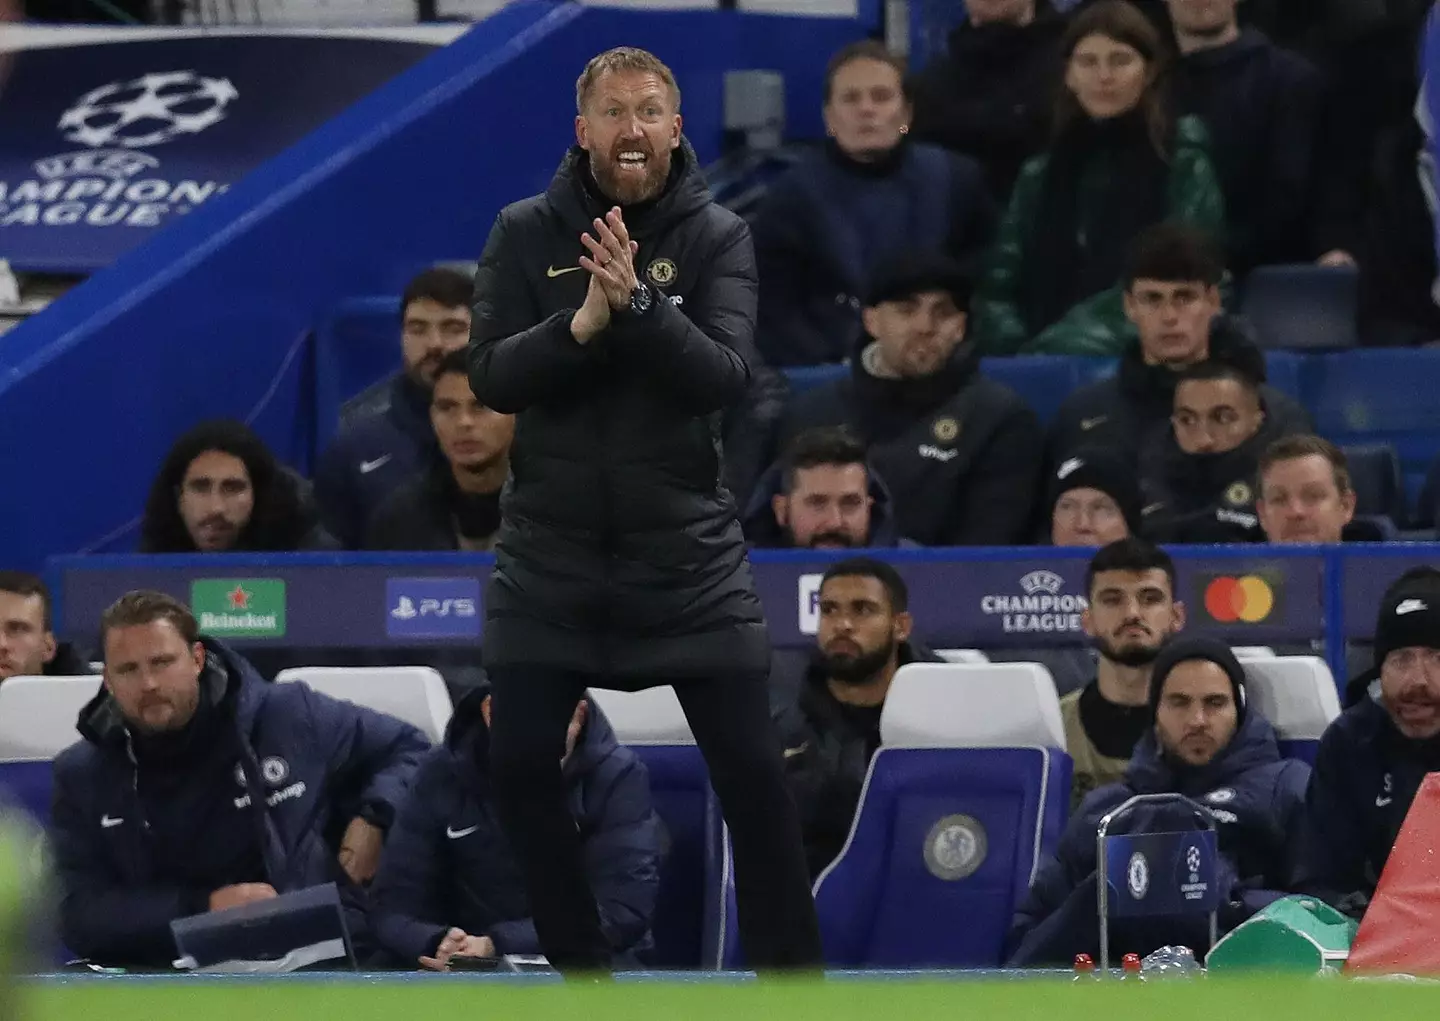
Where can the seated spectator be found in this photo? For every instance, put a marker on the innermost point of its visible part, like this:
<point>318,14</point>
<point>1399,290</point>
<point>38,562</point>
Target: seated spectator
<point>1306,495</point>
<point>27,638</point>
<point>827,702</point>
<point>219,490</point>
<point>960,453</point>
<point>1261,105</point>
<point>1205,745</point>
<point>1373,756</point>
<point>1199,479</point>
<point>990,95</point>
<point>822,495</point>
<point>448,883</point>
<point>384,434</point>
<point>1119,163</point>
<point>867,196</point>
<point>1094,500</point>
<point>1172,297</point>
<point>1133,612</point>
<point>198,786</point>
<point>454,504</point>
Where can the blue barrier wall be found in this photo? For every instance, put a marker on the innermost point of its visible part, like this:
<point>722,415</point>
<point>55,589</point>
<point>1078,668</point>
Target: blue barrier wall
<point>994,598</point>
<point>212,316</point>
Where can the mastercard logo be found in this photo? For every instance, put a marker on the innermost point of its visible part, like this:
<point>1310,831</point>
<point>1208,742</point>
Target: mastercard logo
<point>1248,599</point>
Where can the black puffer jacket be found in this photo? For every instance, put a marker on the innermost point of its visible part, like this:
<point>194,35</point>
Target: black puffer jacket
<point>619,553</point>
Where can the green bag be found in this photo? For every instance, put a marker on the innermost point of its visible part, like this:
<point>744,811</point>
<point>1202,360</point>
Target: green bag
<point>1294,934</point>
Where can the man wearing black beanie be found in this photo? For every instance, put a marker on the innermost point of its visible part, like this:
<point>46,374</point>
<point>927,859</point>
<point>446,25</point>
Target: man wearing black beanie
<point>1094,499</point>
<point>1373,756</point>
<point>1206,745</point>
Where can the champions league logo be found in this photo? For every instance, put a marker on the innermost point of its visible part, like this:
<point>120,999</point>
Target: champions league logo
<point>111,184</point>
<point>149,110</point>
<point>1041,605</point>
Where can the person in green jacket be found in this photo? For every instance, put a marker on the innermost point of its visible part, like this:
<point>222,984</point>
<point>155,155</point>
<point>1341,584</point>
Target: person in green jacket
<point>1119,163</point>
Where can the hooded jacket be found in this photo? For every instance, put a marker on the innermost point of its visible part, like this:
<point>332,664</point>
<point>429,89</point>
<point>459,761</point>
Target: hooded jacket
<point>1365,779</point>
<point>297,764</point>
<point>447,861</point>
<point>827,748</point>
<point>762,530</point>
<point>620,552</point>
<point>1256,798</point>
<point>384,438</point>
<point>828,224</point>
<point>959,452</point>
<point>1125,410</point>
<point>1202,498</point>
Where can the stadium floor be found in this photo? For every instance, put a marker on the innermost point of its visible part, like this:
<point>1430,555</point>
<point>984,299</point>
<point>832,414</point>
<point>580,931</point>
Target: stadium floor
<point>862,997</point>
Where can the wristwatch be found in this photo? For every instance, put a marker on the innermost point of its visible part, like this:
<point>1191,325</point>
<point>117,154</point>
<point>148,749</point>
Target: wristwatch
<point>642,299</point>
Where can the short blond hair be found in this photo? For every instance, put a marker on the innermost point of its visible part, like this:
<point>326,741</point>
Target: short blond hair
<point>618,60</point>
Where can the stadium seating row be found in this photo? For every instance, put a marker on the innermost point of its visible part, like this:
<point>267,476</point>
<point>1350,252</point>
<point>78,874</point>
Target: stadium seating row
<point>969,790</point>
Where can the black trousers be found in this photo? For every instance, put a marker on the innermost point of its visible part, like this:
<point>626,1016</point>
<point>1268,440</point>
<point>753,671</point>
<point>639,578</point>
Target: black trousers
<point>730,718</point>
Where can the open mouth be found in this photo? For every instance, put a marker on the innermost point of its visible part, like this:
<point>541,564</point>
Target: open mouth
<point>632,159</point>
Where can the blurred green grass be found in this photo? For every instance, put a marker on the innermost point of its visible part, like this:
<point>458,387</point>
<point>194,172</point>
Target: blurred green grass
<point>1264,998</point>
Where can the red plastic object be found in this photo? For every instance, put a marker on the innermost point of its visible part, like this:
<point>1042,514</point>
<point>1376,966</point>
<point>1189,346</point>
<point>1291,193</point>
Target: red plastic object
<point>1401,929</point>
<point>1084,963</point>
<point>1130,963</point>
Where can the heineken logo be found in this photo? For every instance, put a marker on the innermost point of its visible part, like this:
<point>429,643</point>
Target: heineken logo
<point>239,607</point>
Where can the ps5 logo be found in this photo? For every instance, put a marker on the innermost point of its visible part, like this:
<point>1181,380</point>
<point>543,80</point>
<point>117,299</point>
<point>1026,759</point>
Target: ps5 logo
<point>432,607</point>
<point>406,608</point>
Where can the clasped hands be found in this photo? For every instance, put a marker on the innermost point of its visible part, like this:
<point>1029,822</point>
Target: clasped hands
<point>611,265</point>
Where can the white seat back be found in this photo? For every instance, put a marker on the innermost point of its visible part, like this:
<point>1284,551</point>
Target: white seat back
<point>970,705</point>
<point>38,715</point>
<point>1244,652</point>
<point>415,694</point>
<point>962,655</point>
<point>650,716</point>
<point>1295,693</point>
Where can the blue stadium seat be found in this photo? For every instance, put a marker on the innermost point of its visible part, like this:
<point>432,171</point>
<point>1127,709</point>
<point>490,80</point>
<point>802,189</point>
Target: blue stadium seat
<point>1042,381</point>
<point>1283,372</point>
<point>964,797</point>
<point>808,377</point>
<point>652,724</point>
<point>1427,508</point>
<point>944,848</point>
<point>1375,476</point>
<point>1302,307</point>
<point>1380,395</point>
<point>1297,694</point>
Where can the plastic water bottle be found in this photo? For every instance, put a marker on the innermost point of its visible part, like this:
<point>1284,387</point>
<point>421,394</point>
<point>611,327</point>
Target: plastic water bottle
<point>1130,967</point>
<point>1170,962</point>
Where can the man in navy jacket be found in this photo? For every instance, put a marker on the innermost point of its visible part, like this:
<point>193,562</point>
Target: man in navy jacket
<point>199,787</point>
<point>449,883</point>
<point>1373,756</point>
<point>1208,747</point>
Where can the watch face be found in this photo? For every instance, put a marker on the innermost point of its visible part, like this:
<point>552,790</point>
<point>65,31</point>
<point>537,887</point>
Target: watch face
<point>641,298</point>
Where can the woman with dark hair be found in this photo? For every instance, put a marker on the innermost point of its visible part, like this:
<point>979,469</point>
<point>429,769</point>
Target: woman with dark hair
<point>1118,164</point>
<point>221,489</point>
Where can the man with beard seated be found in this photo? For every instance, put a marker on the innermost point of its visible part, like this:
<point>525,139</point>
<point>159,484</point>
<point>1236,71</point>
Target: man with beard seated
<point>1132,613</point>
<point>822,495</point>
<point>827,701</point>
